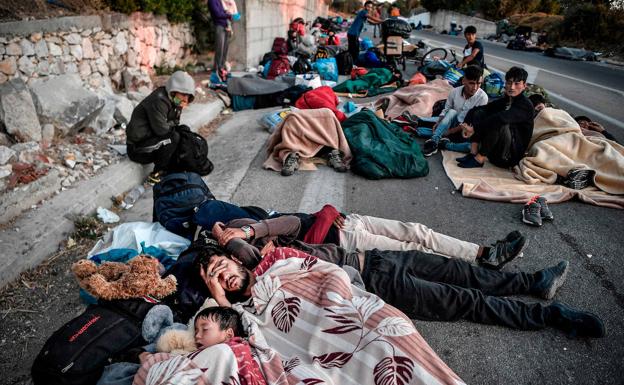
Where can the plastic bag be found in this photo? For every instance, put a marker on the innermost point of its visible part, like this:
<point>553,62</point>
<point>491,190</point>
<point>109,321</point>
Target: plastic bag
<point>493,85</point>
<point>327,68</point>
<point>273,119</point>
<point>308,80</point>
<point>419,78</point>
<point>453,75</point>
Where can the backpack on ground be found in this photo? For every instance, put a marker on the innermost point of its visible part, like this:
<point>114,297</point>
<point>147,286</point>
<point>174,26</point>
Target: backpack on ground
<point>176,198</point>
<point>289,96</point>
<point>322,53</point>
<point>345,63</point>
<point>493,85</point>
<point>267,58</point>
<point>77,353</point>
<point>280,46</point>
<point>191,154</point>
<point>302,66</point>
<point>279,66</point>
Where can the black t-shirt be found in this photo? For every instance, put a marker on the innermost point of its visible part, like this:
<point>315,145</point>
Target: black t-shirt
<point>479,59</point>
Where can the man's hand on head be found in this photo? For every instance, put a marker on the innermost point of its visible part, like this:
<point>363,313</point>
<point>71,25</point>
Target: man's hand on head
<point>210,275</point>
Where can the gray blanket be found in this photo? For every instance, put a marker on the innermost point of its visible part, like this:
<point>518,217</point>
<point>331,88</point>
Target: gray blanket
<point>250,85</point>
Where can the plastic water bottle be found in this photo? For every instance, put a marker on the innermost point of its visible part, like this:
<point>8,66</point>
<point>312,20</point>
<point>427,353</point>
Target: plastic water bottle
<point>132,196</point>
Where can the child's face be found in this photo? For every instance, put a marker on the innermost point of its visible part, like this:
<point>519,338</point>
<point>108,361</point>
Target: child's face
<point>208,333</point>
<point>470,37</point>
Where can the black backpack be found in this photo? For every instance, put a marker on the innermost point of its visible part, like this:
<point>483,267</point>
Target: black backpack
<point>191,154</point>
<point>176,199</point>
<point>77,353</point>
<point>267,57</point>
<point>302,66</point>
<point>289,96</point>
<point>345,63</point>
<point>322,53</point>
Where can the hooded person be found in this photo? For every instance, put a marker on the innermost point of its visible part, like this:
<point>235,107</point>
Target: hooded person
<point>151,136</point>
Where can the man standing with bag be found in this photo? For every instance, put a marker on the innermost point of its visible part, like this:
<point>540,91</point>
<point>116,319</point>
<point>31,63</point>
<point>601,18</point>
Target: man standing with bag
<point>151,133</point>
<point>353,34</point>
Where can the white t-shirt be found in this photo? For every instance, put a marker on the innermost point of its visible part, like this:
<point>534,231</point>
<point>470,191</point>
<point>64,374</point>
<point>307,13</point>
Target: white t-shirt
<point>461,105</point>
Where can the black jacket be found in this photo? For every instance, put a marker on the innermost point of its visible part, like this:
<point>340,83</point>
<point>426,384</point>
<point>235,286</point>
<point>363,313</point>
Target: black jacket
<point>155,116</point>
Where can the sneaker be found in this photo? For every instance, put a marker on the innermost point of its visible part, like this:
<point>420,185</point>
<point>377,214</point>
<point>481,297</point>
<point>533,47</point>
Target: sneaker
<point>545,212</point>
<point>504,251</point>
<point>575,323</point>
<point>578,179</point>
<point>430,147</point>
<point>549,280</point>
<point>153,178</point>
<point>336,162</point>
<point>470,162</point>
<point>442,143</point>
<point>531,213</point>
<point>291,164</point>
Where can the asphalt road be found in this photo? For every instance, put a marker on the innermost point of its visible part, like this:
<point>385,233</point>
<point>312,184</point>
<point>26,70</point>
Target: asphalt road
<point>589,237</point>
<point>581,88</point>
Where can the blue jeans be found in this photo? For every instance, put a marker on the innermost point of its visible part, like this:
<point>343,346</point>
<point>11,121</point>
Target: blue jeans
<point>449,120</point>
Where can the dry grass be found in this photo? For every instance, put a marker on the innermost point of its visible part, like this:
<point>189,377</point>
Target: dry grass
<point>538,21</point>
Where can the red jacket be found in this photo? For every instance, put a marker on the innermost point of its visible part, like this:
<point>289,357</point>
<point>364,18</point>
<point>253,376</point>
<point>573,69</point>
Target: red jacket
<point>321,97</point>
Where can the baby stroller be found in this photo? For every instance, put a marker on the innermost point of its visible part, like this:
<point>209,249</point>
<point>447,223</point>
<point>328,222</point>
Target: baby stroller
<point>393,31</point>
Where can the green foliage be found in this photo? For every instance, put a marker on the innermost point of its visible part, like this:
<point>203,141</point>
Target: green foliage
<point>175,10</point>
<point>596,25</point>
<point>88,227</point>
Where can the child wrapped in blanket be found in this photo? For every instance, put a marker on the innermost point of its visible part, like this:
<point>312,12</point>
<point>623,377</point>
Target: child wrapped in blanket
<point>221,353</point>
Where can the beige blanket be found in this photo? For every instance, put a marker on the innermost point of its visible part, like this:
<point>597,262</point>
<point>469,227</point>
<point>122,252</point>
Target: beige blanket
<point>418,99</point>
<point>306,132</point>
<point>557,146</point>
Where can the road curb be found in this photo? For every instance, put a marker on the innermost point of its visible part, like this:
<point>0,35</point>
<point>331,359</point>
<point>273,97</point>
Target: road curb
<point>36,233</point>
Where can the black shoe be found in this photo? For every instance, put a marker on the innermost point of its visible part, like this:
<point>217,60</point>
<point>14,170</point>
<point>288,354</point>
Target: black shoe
<point>550,280</point>
<point>578,179</point>
<point>545,212</point>
<point>574,323</point>
<point>430,148</point>
<point>504,251</point>
<point>442,143</point>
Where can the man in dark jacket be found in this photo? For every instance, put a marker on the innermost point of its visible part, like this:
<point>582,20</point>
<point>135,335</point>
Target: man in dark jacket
<point>151,135</point>
<point>501,130</point>
<point>220,19</point>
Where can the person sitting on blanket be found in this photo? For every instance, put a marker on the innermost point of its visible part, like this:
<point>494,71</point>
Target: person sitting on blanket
<point>353,232</point>
<point>431,287</point>
<point>501,130</point>
<point>213,325</point>
<point>591,128</point>
<point>459,102</point>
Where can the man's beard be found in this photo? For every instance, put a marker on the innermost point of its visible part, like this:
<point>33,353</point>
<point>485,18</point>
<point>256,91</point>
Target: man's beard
<point>239,294</point>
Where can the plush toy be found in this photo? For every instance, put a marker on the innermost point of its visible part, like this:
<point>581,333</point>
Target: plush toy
<point>115,280</point>
<point>157,324</point>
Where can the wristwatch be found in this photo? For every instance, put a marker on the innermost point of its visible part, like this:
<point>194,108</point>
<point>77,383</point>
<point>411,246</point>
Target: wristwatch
<point>247,230</point>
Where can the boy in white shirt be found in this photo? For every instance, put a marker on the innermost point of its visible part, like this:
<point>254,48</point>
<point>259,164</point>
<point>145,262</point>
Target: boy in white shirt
<point>460,100</point>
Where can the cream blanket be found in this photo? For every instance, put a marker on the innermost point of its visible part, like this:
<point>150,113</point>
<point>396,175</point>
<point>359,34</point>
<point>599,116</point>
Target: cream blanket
<point>306,132</point>
<point>417,100</point>
<point>556,147</point>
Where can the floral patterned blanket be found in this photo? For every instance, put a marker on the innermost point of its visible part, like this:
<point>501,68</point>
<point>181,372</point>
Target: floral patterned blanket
<point>309,326</point>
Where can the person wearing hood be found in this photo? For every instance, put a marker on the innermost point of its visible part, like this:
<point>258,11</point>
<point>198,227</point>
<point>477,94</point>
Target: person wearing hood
<point>151,136</point>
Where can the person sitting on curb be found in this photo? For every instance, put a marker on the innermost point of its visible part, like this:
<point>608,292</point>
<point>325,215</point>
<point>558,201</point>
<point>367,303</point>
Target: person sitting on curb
<point>354,232</point>
<point>459,102</point>
<point>501,130</point>
<point>429,287</point>
<point>151,135</point>
<point>473,51</point>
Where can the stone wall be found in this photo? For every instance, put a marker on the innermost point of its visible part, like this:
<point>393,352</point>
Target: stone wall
<point>441,20</point>
<point>264,20</point>
<point>95,47</point>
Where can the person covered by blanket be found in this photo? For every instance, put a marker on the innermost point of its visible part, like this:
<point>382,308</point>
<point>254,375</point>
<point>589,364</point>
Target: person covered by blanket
<point>501,130</point>
<point>591,128</point>
<point>328,228</point>
<point>213,325</point>
<point>473,51</point>
<point>335,160</point>
<point>448,125</point>
<point>353,34</point>
<point>431,287</point>
<point>151,136</point>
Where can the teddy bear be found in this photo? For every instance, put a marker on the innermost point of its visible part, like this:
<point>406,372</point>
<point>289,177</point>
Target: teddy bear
<point>164,335</point>
<point>115,280</point>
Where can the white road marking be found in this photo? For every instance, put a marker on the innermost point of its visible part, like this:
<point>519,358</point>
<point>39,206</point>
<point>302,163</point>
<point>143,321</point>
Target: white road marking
<point>325,186</point>
<point>619,92</point>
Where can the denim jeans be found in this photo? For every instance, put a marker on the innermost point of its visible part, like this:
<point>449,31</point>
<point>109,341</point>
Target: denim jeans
<point>431,287</point>
<point>449,120</point>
